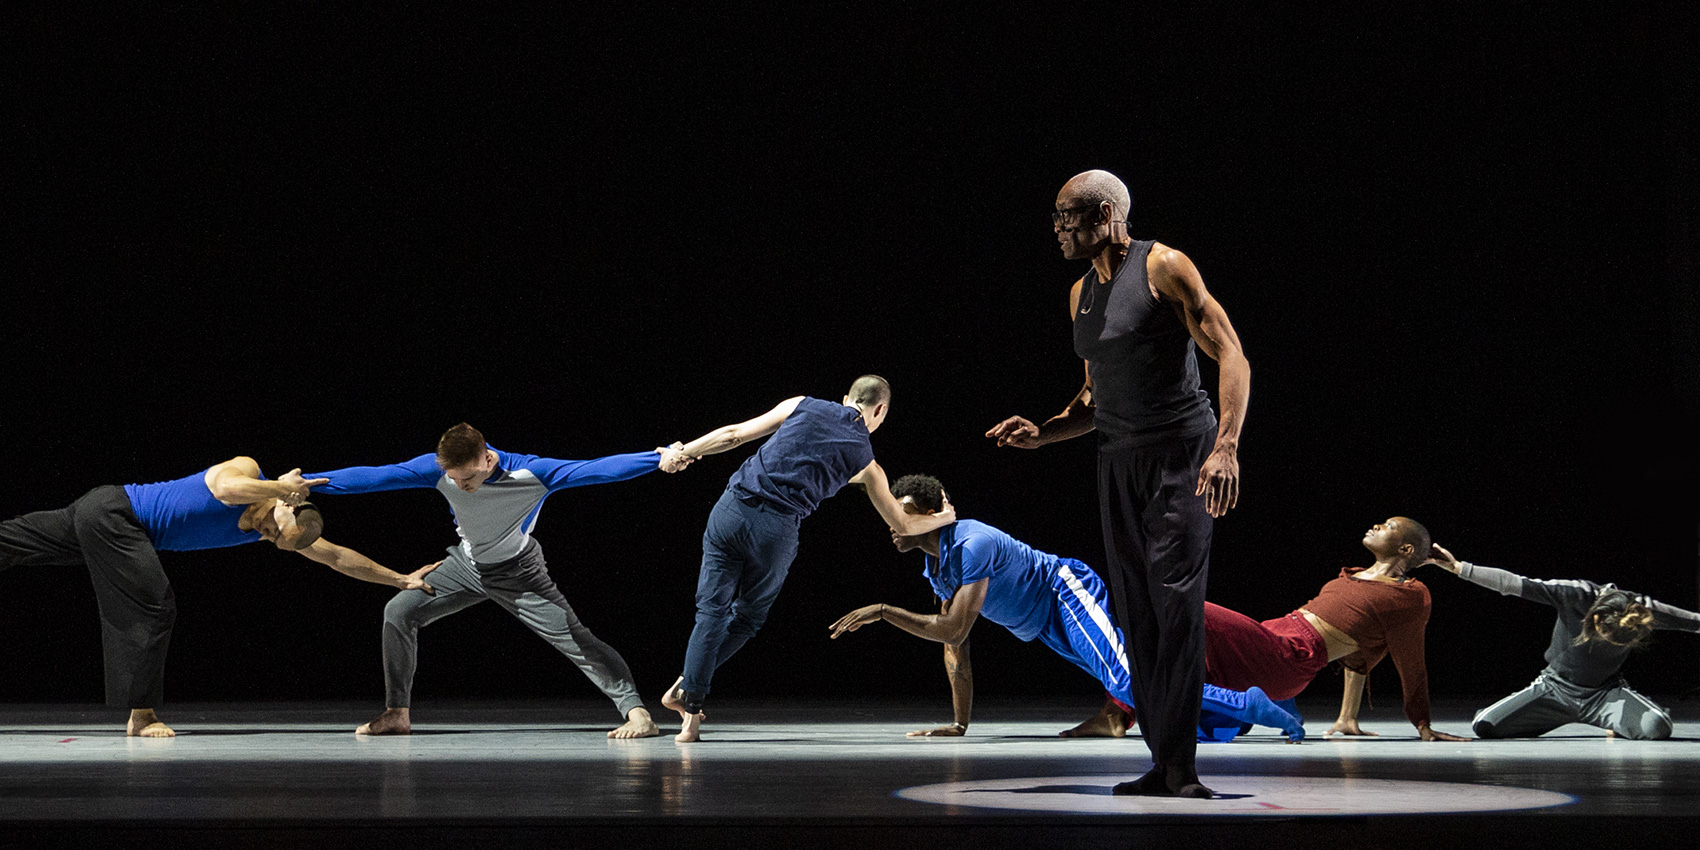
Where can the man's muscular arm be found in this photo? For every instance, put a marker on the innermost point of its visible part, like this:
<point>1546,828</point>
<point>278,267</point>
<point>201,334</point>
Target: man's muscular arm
<point>950,627</point>
<point>355,565</point>
<point>729,437</point>
<point>1175,280</point>
<point>1076,419</point>
<point>961,673</point>
<point>237,482</point>
<point>873,480</point>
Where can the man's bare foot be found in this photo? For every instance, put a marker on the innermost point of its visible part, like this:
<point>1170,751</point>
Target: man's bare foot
<point>638,725</point>
<point>145,724</point>
<point>691,730</point>
<point>394,721</point>
<point>690,725</point>
<point>1109,722</point>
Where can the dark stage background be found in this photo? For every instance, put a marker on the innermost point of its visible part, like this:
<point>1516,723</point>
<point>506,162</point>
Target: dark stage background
<point>1455,248</point>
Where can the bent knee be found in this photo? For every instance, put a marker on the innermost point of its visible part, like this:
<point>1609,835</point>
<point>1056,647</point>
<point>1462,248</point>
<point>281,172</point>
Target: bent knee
<point>1653,727</point>
<point>1484,728</point>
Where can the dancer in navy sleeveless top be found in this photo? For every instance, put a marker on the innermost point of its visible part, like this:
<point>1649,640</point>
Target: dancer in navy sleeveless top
<point>817,447</point>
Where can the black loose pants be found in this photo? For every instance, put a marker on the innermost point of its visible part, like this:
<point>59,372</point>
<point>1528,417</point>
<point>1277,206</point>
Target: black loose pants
<point>137,606</point>
<point>1157,542</point>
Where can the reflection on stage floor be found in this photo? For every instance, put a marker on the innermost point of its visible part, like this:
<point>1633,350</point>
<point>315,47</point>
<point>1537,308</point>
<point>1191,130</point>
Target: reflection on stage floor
<point>832,773</point>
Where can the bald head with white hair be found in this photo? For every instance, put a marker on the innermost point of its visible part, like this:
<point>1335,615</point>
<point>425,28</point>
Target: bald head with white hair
<point>1092,211</point>
<point>1097,187</point>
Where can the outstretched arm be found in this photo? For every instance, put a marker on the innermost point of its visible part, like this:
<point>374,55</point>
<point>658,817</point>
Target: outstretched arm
<point>355,565</point>
<point>561,474</point>
<point>237,482</point>
<point>873,480</point>
<point>419,472</point>
<point>1177,281</point>
<point>1075,419</point>
<point>729,437</point>
<point>950,626</point>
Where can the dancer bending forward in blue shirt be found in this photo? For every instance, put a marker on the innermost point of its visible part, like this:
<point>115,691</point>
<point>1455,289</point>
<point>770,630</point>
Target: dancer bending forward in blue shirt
<point>978,570</point>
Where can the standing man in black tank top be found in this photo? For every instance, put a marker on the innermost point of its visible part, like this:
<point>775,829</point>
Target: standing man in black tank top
<point>1166,467</point>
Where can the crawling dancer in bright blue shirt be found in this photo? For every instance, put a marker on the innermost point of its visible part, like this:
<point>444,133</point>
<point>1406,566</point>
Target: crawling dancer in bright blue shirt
<point>977,570</point>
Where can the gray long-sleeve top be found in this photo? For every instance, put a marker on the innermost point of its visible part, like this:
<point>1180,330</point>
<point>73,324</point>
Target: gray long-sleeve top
<point>1595,663</point>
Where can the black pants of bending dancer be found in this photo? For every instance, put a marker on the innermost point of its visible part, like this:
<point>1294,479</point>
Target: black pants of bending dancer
<point>137,607</point>
<point>1157,542</point>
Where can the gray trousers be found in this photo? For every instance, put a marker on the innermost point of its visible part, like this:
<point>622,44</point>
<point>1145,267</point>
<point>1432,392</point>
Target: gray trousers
<point>523,588</point>
<point>1552,701</point>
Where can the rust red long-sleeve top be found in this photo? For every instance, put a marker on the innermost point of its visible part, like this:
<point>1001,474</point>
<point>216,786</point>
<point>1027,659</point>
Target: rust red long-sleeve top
<point>1382,618</point>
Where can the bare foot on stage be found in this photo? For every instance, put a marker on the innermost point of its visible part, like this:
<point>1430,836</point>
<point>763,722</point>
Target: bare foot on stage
<point>691,729</point>
<point>394,721</point>
<point>638,725</point>
<point>690,724</point>
<point>1109,722</point>
<point>145,724</point>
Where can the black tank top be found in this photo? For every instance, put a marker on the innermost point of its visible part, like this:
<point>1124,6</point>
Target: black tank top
<point>1143,362</point>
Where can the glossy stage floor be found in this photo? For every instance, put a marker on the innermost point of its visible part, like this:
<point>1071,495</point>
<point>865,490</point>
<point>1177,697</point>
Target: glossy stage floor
<point>838,774</point>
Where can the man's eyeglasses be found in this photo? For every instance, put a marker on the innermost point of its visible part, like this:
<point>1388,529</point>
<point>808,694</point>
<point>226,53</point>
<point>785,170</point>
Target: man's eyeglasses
<point>1068,216</point>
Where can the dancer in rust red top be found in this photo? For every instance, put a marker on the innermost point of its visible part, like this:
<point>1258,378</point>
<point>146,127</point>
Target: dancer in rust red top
<point>1359,618</point>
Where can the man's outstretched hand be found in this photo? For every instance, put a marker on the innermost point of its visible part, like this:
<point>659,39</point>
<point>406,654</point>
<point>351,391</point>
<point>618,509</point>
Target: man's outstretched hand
<point>298,488</point>
<point>857,619</point>
<point>1016,431</point>
<point>1438,556</point>
<point>416,579</point>
<point>673,458</point>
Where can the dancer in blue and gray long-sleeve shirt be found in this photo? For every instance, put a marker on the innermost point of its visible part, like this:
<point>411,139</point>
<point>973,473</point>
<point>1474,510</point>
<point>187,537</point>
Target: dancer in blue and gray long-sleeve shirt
<point>1598,626</point>
<point>496,497</point>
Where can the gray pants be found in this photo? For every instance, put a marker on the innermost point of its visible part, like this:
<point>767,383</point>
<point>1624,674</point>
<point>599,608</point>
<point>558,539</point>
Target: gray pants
<point>521,586</point>
<point>1552,701</point>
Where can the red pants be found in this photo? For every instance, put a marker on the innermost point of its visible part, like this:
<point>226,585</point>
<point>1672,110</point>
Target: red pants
<point>1280,656</point>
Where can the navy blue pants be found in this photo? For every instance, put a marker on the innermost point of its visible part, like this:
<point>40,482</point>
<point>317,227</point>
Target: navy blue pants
<point>1157,542</point>
<point>747,551</point>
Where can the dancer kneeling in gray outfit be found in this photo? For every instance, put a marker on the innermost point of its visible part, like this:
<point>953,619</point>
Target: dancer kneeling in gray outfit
<point>1598,626</point>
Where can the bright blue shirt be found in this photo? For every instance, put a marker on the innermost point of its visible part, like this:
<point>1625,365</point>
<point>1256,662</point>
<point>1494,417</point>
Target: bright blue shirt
<point>1018,596</point>
<point>815,452</point>
<point>182,515</point>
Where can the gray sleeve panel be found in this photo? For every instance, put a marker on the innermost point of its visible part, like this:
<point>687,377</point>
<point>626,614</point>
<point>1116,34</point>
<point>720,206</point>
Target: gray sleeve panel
<point>1559,593</point>
<point>1671,617</point>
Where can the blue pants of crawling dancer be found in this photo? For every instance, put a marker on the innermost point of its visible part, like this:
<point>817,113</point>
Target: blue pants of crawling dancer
<point>1082,630</point>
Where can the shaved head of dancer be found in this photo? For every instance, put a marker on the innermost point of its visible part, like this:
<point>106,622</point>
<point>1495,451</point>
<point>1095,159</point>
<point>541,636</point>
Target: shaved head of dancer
<point>870,394</point>
<point>463,455</point>
<point>1398,539</point>
<point>1089,207</point>
<point>289,527</point>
